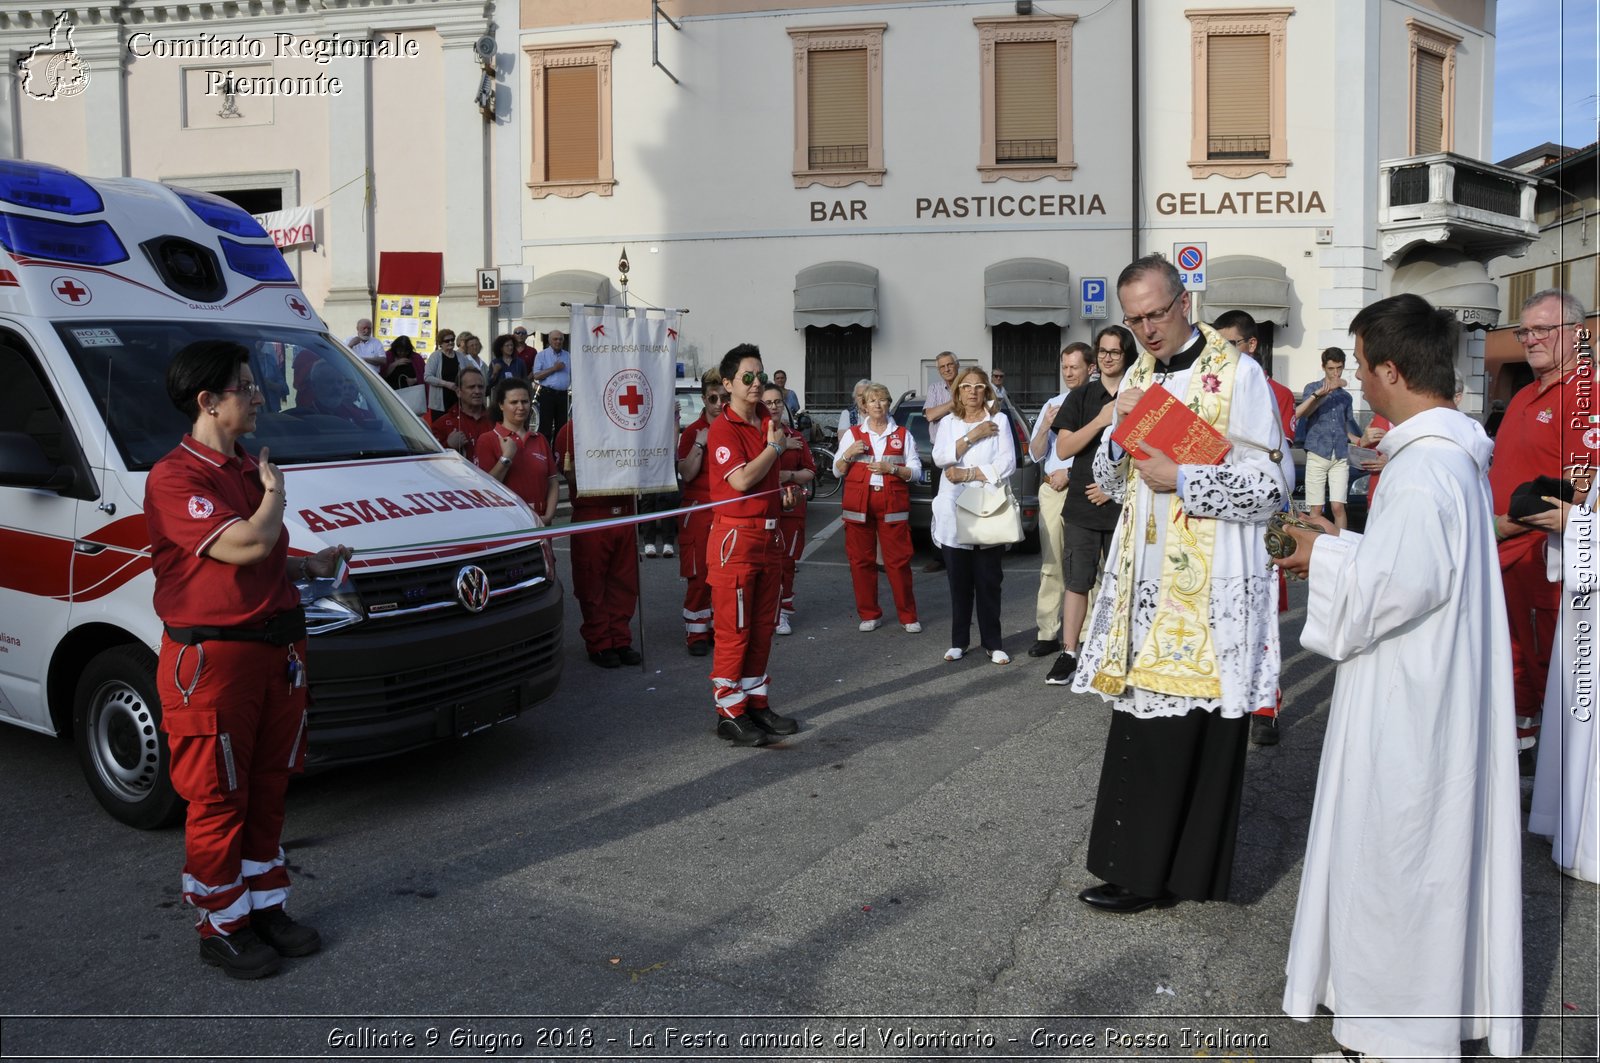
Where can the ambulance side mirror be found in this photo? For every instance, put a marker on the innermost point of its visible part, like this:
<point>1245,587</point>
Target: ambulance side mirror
<point>23,464</point>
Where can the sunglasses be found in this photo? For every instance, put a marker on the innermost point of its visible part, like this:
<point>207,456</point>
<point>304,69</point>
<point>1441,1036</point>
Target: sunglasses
<point>751,378</point>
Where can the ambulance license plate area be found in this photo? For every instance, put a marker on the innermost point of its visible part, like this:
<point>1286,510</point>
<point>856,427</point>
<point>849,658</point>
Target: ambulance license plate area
<point>485,712</point>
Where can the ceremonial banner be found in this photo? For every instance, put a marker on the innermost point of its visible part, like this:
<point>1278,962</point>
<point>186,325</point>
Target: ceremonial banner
<point>624,427</point>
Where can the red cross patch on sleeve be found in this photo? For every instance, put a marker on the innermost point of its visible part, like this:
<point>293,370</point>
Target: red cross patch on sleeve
<point>200,507</point>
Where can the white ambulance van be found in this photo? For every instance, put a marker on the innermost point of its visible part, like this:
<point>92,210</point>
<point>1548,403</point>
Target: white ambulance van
<point>450,618</point>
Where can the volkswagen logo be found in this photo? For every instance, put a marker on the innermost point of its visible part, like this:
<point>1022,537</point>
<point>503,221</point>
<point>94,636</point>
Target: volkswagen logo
<point>472,588</point>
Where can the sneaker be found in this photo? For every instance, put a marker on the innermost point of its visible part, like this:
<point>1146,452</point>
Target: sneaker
<point>999,657</point>
<point>870,625</point>
<point>240,954</point>
<point>287,937</point>
<point>771,722</point>
<point>783,627</point>
<point>742,732</point>
<point>914,628</point>
<point>699,648</point>
<point>1263,731</point>
<point>1044,647</point>
<point>628,655</point>
<point>1061,672</point>
<point>649,549</point>
<point>667,550</point>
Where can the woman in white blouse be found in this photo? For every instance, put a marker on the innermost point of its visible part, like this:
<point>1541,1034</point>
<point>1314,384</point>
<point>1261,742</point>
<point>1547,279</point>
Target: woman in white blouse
<point>972,446</point>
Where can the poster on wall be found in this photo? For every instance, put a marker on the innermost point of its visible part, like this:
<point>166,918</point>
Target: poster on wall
<point>409,283</point>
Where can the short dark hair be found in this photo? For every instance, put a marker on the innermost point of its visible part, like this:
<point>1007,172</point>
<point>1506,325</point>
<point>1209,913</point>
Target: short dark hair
<point>1129,351</point>
<point>1418,339</point>
<point>1080,348</point>
<point>507,386</point>
<point>1240,321</point>
<point>1151,264</point>
<point>402,346</point>
<point>731,360</point>
<point>502,339</point>
<point>469,368</point>
<point>205,365</point>
<point>1332,354</point>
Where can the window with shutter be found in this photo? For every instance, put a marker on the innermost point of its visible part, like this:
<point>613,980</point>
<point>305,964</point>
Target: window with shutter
<point>1519,287</point>
<point>1025,98</point>
<point>1433,66</point>
<point>1031,358</point>
<point>1239,107</point>
<point>571,108</point>
<point>836,357</point>
<point>838,93</point>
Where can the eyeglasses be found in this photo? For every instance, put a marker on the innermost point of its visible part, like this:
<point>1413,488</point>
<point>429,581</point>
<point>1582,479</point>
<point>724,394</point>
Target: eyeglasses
<point>1113,352</point>
<point>1538,332</point>
<point>999,376</point>
<point>751,378</point>
<point>520,332</point>
<point>713,400</point>
<point>970,387</point>
<point>1154,318</point>
<point>245,388</point>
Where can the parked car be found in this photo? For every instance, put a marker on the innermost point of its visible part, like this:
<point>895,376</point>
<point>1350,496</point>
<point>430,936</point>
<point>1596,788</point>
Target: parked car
<point>1024,482</point>
<point>1355,510</point>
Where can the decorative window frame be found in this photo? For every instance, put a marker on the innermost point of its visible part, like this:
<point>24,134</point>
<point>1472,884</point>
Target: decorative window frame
<point>808,39</point>
<point>584,53</point>
<point>1004,30</point>
<point>1207,23</point>
<point>1431,39</point>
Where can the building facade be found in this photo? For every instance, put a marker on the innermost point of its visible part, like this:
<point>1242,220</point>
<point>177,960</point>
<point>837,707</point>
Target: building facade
<point>855,185</point>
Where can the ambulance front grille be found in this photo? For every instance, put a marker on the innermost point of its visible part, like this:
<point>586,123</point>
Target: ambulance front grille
<point>399,597</point>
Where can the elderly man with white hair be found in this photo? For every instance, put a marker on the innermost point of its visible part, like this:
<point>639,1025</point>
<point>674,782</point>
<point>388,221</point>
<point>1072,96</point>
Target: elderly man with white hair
<point>366,346</point>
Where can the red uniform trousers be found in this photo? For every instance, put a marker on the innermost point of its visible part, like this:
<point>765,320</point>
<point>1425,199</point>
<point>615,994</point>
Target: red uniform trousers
<point>1532,605</point>
<point>693,531</point>
<point>745,562</point>
<point>792,541</point>
<point>235,740</point>
<point>605,578</point>
<point>891,532</point>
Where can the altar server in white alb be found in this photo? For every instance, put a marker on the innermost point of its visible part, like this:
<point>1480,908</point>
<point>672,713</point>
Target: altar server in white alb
<point>1409,922</point>
<point>1184,636</point>
<point>1566,790</point>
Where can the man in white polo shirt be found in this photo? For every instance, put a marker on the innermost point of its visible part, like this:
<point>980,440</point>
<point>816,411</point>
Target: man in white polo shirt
<point>1075,359</point>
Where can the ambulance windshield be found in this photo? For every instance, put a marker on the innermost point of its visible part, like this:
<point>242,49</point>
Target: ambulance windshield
<point>320,402</point>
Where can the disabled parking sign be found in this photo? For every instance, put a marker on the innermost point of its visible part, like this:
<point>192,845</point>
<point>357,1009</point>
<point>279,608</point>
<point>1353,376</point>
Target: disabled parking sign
<point>1190,258</point>
<point>1092,298</point>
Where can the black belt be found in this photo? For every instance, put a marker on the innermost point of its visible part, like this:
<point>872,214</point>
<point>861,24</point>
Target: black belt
<point>285,629</point>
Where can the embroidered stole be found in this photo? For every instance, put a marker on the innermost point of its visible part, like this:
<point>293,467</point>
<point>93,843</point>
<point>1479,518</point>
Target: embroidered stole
<point>1179,654</point>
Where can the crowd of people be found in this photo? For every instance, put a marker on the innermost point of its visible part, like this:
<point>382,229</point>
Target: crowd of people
<point>1458,618</point>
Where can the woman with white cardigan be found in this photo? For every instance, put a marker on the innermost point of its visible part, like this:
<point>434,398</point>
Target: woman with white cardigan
<point>972,446</point>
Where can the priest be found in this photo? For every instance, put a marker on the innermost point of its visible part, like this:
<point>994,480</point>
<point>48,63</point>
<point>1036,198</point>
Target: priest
<point>1409,920</point>
<point>1184,637</point>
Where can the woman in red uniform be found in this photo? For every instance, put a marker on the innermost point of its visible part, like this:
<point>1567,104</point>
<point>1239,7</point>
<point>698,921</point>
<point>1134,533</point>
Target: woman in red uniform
<point>232,669</point>
<point>693,528</point>
<point>796,468</point>
<point>515,453</point>
<point>877,458</point>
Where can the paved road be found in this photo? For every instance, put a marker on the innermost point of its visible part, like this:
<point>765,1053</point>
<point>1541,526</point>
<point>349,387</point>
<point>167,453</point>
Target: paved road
<point>897,880</point>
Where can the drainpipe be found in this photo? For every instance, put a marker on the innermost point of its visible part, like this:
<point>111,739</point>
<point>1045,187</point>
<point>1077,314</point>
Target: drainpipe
<point>1138,136</point>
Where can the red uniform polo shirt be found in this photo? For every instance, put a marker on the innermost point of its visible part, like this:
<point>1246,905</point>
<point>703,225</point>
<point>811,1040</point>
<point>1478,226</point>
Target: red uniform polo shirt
<point>697,489</point>
<point>795,461</point>
<point>618,504</point>
<point>732,444</point>
<point>1286,405</point>
<point>1547,428</point>
<point>471,427</point>
<point>191,497</point>
<point>531,466</point>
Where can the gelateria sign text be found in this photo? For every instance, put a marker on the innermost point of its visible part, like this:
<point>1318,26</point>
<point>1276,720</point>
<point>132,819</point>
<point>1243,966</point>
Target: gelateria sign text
<point>1196,204</point>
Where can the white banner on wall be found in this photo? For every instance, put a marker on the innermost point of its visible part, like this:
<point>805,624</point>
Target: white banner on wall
<point>294,227</point>
<point>624,425</point>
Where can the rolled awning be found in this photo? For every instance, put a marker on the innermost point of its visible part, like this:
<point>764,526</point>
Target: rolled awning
<point>836,293</point>
<point>542,308</point>
<point>1258,286</point>
<point>1450,282</point>
<point>1027,291</point>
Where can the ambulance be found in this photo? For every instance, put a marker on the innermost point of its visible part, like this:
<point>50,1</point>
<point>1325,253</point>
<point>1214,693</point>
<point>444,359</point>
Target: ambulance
<point>449,620</point>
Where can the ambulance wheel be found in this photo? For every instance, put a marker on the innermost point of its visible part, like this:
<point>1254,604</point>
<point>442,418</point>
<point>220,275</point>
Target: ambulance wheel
<point>116,726</point>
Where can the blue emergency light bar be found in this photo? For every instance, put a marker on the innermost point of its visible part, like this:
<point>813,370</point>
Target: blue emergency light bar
<point>220,214</point>
<point>91,243</point>
<point>44,187</point>
<point>262,262</point>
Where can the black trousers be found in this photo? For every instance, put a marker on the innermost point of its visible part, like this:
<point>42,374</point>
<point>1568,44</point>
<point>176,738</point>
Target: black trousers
<point>552,412</point>
<point>974,575</point>
<point>666,529</point>
<point>1167,814</point>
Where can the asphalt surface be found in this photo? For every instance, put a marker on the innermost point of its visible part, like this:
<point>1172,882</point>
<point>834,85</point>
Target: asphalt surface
<point>604,878</point>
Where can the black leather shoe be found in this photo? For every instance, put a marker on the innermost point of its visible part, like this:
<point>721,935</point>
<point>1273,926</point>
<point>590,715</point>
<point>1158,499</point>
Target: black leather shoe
<point>1044,647</point>
<point>605,659</point>
<point>287,937</point>
<point>771,722</point>
<point>699,648</point>
<point>628,655</point>
<point>1116,899</point>
<point>1263,731</point>
<point>240,954</point>
<point>936,565</point>
<point>741,732</point>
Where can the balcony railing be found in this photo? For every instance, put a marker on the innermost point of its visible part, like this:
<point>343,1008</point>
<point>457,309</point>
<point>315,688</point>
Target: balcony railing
<point>1439,198</point>
<point>838,157</point>
<point>1037,149</point>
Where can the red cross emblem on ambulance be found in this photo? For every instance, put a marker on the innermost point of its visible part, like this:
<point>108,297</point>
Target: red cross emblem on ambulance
<point>69,291</point>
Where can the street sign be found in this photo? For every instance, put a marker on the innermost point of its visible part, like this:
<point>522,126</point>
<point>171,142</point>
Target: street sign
<point>1190,258</point>
<point>1092,298</point>
<point>489,287</point>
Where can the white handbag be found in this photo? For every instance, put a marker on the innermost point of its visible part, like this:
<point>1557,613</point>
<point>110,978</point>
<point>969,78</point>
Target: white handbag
<point>986,515</point>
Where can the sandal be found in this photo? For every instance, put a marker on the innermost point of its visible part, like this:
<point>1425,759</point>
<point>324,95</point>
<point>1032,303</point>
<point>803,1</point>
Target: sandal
<point>954,653</point>
<point>999,657</point>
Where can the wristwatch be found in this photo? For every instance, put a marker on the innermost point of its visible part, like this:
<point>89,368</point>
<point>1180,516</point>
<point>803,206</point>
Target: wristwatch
<point>504,460</point>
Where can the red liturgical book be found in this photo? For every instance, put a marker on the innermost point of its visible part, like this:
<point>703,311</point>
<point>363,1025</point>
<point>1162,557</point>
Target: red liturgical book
<point>1172,427</point>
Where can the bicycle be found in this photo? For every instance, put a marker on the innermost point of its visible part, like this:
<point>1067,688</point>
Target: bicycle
<point>826,484</point>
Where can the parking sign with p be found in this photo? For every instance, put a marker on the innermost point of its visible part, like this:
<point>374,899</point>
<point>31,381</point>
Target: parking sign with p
<point>1190,259</point>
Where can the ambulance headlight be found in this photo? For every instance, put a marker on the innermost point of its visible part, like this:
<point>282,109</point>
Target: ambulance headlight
<point>330,604</point>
